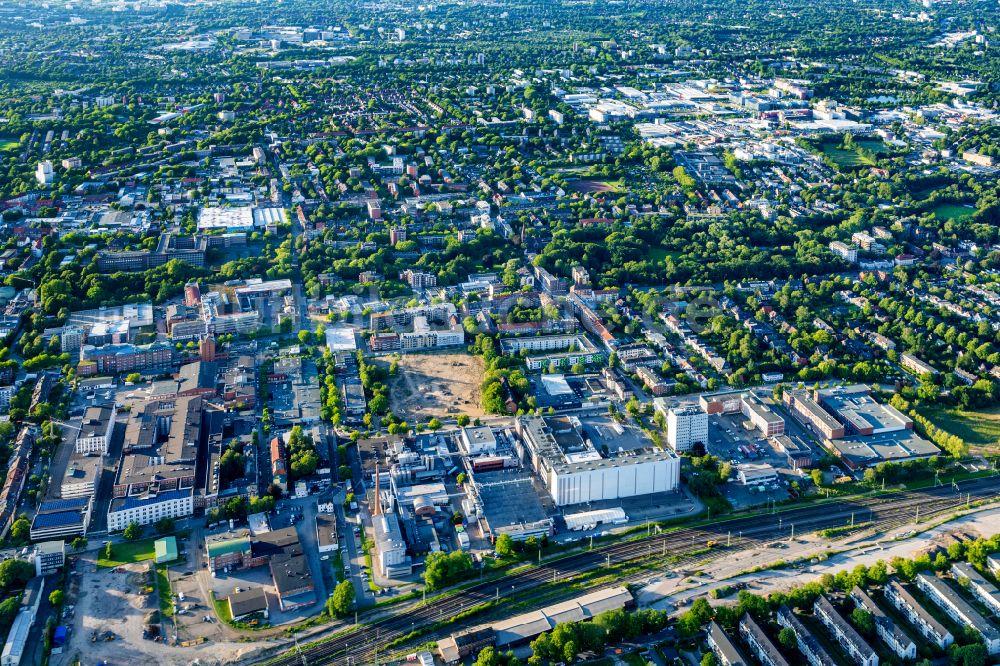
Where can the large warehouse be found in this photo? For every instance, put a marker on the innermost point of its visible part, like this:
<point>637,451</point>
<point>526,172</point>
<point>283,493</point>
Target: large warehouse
<point>595,459</point>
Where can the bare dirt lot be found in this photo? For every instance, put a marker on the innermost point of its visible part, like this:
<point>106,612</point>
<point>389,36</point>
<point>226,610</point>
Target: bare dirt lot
<point>112,606</point>
<point>441,384</point>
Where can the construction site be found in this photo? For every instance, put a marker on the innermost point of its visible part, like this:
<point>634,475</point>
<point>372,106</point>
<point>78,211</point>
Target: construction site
<point>436,384</point>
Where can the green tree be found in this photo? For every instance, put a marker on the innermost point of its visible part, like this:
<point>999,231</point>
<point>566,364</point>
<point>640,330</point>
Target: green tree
<point>133,378</point>
<point>15,573</point>
<point>20,531</point>
<point>56,598</point>
<point>968,655</point>
<point>443,569</point>
<point>8,611</point>
<point>165,525</point>
<point>133,531</point>
<point>708,659</point>
<point>787,638</point>
<point>817,477</point>
<point>504,546</point>
<point>864,621</point>
<point>341,602</point>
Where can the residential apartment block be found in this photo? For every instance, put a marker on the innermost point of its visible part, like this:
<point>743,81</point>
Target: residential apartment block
<point>809,646</point>
<point>846,636</point>
<point>925,623</point>
<point>762,646</point>
<point>958,609</point>
<point>723,647</point>
<point>887,629</point>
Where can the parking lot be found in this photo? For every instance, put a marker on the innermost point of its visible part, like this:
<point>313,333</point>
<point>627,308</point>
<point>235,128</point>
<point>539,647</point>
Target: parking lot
<point>731,441</point>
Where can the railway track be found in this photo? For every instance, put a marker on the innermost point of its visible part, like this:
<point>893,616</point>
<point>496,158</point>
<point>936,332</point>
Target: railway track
<point>362,644</point>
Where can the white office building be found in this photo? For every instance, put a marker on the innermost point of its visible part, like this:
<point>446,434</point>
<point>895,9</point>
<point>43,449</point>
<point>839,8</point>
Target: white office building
<point>44,173</point>
<point>148,509</point>
<point>95,430</point>
<point>686,426</point>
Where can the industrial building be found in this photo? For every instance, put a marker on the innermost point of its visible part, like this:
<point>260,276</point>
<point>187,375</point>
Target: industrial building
<point>165,550</point>
<point>292,580</point>
<point>326,532</point>
<point>156,475</point>
<point>469,644</point>
<point>49,557</point>
<point>562,451</point>
<point>81,475</point>
<point>860,414</point>
<point>797,454</point>
<point>859,430</point>
<point>390,547</point>
<point>761,416</point>
<point>523,628</point>
<point>248,602</point>
<point>505,502</point>
<point>95,430</point>
<point>804,407</point>
<point>60,519</point>
<point>756,474</point>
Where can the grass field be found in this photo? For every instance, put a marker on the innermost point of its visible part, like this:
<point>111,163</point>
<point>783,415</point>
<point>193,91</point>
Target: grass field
<point>127,553</point>
<point>163,586</point>
<point>222,609</point>
<point>659,255</point>
<point>8,144</point>
<point>948,211</point>
<point>852,158</point>
<point>980,429</point>
<point>845,158</point>
<point>595,186</point>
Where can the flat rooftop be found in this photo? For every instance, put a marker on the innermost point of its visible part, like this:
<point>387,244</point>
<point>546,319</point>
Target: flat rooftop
<point>762,410</point>
<point>509,499</point>
<point>161,441</point>
<point>893,446</point>
<point>95,421</point>
<point>82,468</point>
<point>859,410</point>
<point>570,444</point>
<point>805,402</point>
<point>605,431</point>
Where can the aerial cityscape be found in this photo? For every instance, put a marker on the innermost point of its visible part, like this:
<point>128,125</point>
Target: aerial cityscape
<point>500,332</point>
